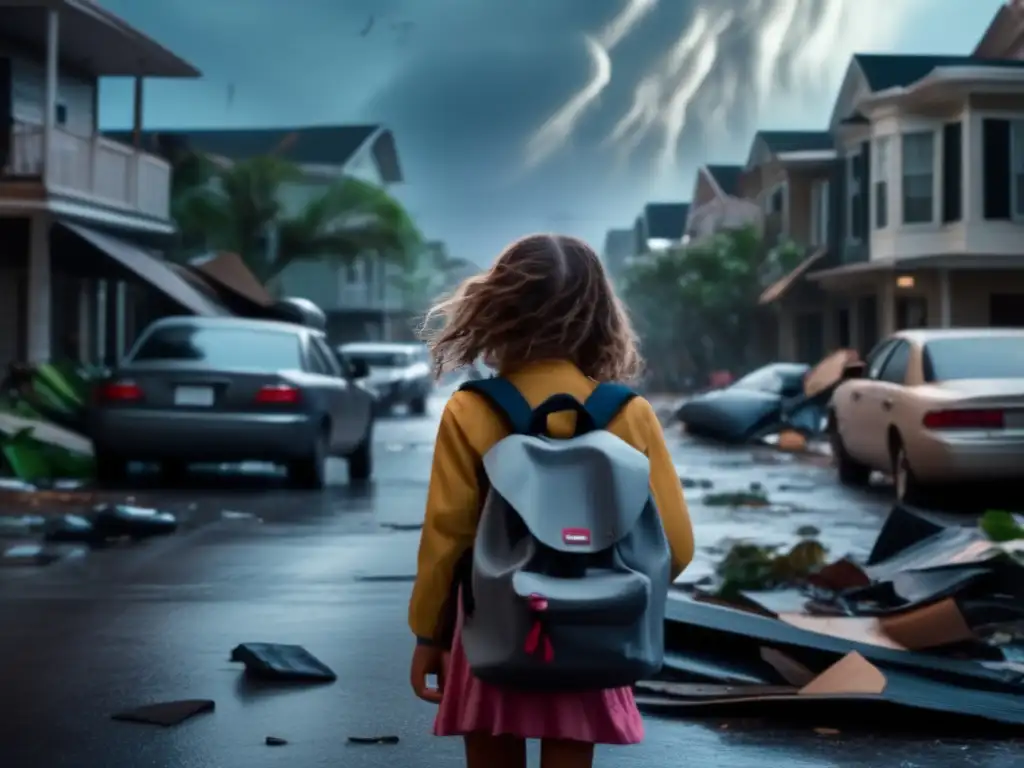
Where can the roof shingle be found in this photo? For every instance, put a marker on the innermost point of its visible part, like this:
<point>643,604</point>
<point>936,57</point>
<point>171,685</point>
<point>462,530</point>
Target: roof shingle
<point>883,70</point>
<point>666,221</point>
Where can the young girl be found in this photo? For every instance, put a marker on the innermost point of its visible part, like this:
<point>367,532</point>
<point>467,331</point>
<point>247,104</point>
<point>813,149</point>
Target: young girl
<point>547,318</point>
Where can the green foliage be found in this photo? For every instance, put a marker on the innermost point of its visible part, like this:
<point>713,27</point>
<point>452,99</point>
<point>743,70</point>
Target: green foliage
<point>696,306</point>
<point>232,207</point>
<point>435,273</point>
<point>1001,526</point>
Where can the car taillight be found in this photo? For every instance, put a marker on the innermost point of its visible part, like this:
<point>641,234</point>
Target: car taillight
<point>119,392</point>
<point>278,394</point>
<point>964,419</point>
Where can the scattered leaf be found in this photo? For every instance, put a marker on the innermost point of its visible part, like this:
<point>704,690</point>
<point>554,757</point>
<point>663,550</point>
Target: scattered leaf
<point>1000,526</point>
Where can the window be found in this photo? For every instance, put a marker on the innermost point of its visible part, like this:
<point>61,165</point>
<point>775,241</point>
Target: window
<point>60,114</point>
<point>877,357</point>
<point>854,203</point>
<point>895,368</point>
<point>318,361</point>
<point>1017,168</point>
<point>979,357</point>
<point>330,360</point>
<point>820,193</point>
<point>880,182</point>
<point>226,348</point>
<point>919,177</point>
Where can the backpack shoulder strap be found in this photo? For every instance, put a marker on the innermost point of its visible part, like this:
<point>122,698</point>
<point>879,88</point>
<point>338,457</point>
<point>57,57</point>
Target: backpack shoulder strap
<point>606,401</point>
<point>504,398</point>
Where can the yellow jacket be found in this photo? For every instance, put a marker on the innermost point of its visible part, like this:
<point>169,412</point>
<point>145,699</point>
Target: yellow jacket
<point>469,427</point>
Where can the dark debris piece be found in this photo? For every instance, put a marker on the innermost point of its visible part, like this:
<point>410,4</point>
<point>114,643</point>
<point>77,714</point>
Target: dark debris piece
<point>273,661</point>
<point>373,739</point>
<point>275,741</point>
<point>166,713</point>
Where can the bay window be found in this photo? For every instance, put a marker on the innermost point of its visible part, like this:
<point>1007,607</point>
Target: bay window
<point>919,177</point>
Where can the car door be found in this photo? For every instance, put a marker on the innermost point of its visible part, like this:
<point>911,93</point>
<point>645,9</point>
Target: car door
<point>881,401</point>
<point>334,389</point>
<point>849,404</point>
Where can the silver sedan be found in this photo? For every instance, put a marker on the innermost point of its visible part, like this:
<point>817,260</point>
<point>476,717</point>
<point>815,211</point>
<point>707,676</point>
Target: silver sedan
<point>224,390</point>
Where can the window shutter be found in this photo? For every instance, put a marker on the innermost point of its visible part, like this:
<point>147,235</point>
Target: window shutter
<point>864,225</point>
<point>996,167</point>
<point>837,206</point>
<point>952,172</point>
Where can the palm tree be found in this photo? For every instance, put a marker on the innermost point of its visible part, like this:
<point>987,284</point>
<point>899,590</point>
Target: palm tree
<point>435,272</point>
<point>239,206</point>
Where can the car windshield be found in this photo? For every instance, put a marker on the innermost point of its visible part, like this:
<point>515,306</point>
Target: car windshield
<point>977,357</point>
<point>229,348</point>
<point>381,359</point>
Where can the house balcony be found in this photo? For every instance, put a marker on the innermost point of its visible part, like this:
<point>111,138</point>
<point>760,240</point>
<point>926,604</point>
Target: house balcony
<point>91,169</point>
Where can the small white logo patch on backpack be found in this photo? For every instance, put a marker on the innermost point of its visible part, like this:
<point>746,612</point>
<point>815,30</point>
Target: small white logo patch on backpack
<point>578,536</point>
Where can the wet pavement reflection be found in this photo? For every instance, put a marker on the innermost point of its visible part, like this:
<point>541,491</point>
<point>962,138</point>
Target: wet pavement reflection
<point>256,562</point>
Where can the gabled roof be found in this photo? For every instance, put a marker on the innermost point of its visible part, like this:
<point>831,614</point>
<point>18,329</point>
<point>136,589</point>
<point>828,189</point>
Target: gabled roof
<point>618,243</point>
<point>1003,32</point>
<point>883,71</point>
<point>727,177</point>
<point>665,221</point>
<point>333,145</point>
<point>779,142</point>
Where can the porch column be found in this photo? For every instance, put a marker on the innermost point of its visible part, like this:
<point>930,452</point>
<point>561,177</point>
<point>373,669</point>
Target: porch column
<point>101,322</point>
<point>120,321</point>
<point>85,329</point>
<point>945,300</point>
<point>887,306</point>
<point>40,316</point>
<point>137,114</point>
<point>50,91</point>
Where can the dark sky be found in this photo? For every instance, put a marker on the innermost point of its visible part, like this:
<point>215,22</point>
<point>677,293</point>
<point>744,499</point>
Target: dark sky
<point>466,84</point>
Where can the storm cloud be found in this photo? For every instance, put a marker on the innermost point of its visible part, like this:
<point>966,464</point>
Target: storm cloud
<point>519,115</point>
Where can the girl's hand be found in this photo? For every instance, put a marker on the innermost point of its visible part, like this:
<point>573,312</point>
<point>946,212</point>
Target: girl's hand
<point>427,660</point>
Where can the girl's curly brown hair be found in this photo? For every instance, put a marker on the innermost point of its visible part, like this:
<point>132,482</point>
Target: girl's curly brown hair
<point>546,297</point>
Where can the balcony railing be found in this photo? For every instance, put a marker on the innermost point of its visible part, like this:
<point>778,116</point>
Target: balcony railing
<point>94,169</point>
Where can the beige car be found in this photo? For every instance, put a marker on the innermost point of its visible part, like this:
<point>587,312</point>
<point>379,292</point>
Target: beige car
<point>933,407</point>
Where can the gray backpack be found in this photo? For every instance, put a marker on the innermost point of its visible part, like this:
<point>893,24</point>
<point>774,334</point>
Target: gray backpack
<point>569,574</point>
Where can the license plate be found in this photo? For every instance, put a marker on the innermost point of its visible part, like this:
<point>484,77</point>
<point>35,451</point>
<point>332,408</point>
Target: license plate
<point>194,396</point>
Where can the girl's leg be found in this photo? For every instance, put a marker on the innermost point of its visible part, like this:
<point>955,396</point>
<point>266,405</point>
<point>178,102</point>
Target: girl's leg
<point>486,751</point>
<point>566,754</point>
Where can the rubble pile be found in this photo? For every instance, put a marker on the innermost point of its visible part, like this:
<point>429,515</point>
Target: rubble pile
<point>930,627</point>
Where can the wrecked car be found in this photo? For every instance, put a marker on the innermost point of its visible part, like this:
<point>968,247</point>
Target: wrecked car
<point>778,397</point>
<point>746,409</point>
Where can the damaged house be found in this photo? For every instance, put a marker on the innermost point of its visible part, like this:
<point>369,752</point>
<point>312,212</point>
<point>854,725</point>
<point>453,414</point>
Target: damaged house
<point>362,299</point>
<point>84,216</point>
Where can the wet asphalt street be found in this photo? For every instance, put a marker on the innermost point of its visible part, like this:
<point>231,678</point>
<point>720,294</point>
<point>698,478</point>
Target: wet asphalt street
<point>89,636</point>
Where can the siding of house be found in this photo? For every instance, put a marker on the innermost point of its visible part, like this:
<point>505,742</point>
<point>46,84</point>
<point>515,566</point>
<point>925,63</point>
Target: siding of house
<point>364,285</point>
<point>703,191</point>
<point>76,94</point>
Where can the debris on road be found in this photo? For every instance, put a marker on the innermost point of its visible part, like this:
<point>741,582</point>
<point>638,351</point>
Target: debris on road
<point>275,741</point>
<point>273,661</point>
<point>110,522</point>
<point>373,739</point>
<point>28,554</point>
<point>166,713</point>
<point>930,622</point>
<point>783,405</point>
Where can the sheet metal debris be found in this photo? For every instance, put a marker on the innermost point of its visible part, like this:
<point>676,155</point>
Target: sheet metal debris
<point>277,662</point>
<point>166,713</point>
<point>928,628</point>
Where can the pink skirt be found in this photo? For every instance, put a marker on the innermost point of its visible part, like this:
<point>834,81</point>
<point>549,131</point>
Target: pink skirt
<point>472,706</point>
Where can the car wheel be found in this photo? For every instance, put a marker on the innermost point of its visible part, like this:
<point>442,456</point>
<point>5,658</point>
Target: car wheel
<point>850,471</point>
<point>908,489</point>
<point>418,407</point>
<point>360,461</point>
<point>311,473</point>
<point>111,470</point>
